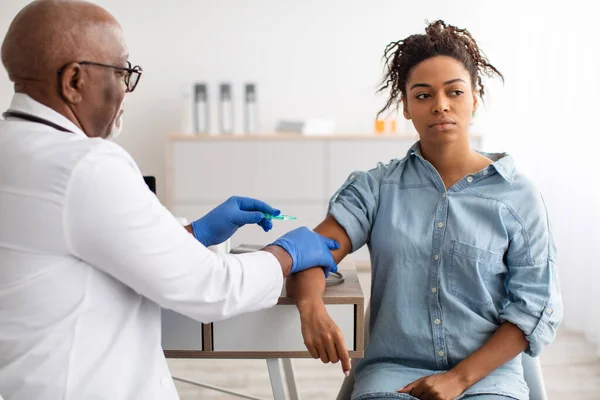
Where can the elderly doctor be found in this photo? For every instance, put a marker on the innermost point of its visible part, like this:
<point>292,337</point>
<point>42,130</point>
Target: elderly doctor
<point>87,253</point>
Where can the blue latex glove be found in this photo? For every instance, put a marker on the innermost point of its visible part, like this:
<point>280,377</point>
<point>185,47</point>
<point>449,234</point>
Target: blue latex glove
<point>223,221</point>
<point>309,249</point>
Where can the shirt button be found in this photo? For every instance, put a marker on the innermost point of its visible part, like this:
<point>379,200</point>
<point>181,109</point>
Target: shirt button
<point>485,172</point>
<point>443,195</point>
<point>437,321</point>
<point>548,310</point>
<point>433,290</point>
<point>440,224</point>
<point>470,179</point>
<point>165,382</point>
<point>441,353</point>
<point>436,257</point>
<point>351,177</point>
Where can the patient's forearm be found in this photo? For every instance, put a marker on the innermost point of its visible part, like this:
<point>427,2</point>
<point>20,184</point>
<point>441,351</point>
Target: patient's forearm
<point>306,287</point>
<point>505,344</point>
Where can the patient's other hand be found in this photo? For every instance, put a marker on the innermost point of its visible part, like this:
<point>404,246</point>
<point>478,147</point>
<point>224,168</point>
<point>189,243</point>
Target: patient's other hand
<point>322,337</point>
<point>445,386</point>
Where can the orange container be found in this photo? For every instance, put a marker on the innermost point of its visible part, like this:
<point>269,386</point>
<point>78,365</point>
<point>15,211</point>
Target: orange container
<point>393,126</point>
<point>380,126</point>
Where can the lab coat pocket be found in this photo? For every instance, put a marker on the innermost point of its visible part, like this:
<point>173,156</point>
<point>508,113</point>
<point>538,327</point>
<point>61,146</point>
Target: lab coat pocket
<point>476,275</point>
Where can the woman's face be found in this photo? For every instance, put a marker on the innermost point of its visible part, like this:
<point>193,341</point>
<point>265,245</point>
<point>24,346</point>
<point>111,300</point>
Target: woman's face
<point>439,99</point>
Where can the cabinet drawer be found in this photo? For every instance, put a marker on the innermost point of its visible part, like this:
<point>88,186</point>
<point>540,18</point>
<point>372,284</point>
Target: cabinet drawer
<point>209,171</point>
<point>180,332</point>
<point>276,329</point>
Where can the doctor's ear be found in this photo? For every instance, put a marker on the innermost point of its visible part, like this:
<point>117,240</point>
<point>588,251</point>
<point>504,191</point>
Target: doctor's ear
<point>71,82</point>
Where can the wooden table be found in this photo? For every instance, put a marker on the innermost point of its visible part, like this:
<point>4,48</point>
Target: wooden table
<point>272,334</point>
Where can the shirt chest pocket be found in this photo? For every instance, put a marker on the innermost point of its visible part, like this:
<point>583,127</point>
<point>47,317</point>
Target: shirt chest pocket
<point>476,276</point>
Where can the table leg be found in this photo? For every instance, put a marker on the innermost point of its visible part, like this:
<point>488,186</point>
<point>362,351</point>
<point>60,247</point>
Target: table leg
<point>288,370</point>
<point>276,378</point>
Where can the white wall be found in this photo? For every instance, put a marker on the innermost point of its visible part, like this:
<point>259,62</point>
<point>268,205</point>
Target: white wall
<point>322,58</point>
<point>312,58</point>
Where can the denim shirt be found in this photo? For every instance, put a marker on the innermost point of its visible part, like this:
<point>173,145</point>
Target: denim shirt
<point>448,268</point>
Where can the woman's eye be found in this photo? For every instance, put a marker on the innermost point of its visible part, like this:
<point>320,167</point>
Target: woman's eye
<point>456,93</point>
<point>422,96</point>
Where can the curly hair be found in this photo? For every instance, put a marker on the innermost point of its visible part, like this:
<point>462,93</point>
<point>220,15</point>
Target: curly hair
<point>439,39</point>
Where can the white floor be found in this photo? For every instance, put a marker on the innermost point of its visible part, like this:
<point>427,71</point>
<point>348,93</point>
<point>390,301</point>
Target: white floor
<point>571,371</point>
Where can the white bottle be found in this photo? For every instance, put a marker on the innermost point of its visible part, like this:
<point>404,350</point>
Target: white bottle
<point>225,109</point>
<point>250,110</point>
<point>201,119</point>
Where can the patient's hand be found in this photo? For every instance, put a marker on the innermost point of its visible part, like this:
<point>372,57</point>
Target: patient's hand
<point>444,386</point>
<point>322,337</point>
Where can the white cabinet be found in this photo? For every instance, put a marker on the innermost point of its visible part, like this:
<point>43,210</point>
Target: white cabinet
<point>296,174</point>
<point>210,171</point>
<point>276,329</point>
<point>270,333</point>
<point>184,333</point>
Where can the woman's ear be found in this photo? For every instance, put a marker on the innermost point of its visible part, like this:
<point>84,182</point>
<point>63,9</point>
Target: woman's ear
<point>405,108</point>
<point>475,103</point>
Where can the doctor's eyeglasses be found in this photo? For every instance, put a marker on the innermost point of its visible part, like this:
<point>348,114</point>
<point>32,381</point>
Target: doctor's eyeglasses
<point>132,75</point>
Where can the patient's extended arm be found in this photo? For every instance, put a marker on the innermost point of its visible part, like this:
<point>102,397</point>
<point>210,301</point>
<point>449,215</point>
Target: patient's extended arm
<point>322,337</point>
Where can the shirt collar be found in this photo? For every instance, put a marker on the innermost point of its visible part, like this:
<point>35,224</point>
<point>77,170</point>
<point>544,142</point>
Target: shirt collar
<point>503,163</point>
<point>25,104</point>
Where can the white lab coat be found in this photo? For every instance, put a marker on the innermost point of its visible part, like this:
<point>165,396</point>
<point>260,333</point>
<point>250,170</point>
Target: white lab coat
<point>88,256</point>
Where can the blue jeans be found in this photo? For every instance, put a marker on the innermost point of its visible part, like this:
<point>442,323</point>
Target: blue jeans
<point>404,396</point>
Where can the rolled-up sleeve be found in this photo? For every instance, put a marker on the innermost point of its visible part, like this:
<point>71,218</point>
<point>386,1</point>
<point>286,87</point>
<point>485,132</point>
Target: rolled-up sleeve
<point>535,303</point>
<point>354,205</point>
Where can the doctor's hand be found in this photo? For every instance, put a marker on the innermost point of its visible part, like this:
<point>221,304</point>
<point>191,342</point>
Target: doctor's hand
<point>308,249</point>
<point>223,221</point>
